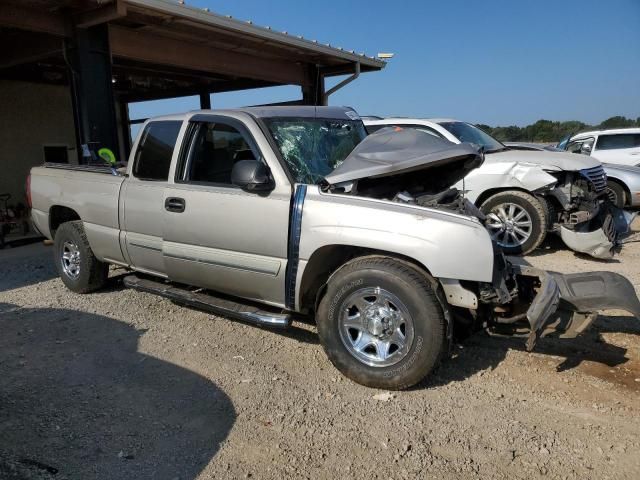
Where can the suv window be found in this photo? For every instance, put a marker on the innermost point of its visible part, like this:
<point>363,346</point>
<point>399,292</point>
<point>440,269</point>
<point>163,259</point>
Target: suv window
<point>620,140</point>
<point>153,158</point>
<point>215,149</point>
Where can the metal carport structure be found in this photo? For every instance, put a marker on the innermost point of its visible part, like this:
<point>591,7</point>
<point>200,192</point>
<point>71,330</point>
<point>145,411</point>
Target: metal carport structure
<point>108,53</point>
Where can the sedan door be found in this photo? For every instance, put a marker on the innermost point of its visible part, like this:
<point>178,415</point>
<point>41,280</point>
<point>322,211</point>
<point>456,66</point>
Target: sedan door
<point>216,235</point>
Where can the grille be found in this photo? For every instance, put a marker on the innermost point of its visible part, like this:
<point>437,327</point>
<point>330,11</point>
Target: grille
<point>596,176</point>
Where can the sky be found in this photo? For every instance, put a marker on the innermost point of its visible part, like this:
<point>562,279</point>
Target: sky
<point>497,62</point>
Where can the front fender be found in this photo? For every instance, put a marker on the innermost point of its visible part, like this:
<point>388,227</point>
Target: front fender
<point>505,175</point>
<point>448,245</point>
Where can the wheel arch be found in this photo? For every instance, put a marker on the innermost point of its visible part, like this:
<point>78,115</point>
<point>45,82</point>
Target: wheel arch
<point>625,188</point>
<point>59,214</point>
<point>487,194</point>
<point>326,260</point>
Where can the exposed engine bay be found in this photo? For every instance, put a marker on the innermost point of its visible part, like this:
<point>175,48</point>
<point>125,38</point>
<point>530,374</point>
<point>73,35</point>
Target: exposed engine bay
<point>410,166</point>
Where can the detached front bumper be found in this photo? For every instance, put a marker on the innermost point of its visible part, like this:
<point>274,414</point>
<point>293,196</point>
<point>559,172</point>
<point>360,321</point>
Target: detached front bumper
<point>603,236</point>
<point>571,302</point>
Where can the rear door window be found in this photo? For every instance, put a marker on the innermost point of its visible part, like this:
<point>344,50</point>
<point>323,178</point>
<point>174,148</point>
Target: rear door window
<point>153,157</point>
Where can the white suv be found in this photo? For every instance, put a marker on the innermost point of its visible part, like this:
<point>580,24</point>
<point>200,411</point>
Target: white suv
<point>621,146</point>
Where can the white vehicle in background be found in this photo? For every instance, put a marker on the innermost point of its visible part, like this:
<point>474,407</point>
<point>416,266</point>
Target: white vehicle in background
<point>623,181</point>
<point>526,194</point>
<point>619,146</point>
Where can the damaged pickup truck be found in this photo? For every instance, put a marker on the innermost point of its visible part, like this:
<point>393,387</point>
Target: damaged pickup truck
<point>526,194</point>
<point>267,213</point>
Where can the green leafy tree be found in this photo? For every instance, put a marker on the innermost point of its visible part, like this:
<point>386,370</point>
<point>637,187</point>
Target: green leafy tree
<point>617,122</point>
<point>547,131</point>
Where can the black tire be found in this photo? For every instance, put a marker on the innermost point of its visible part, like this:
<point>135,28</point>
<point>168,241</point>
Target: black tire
<point>92,273</point>
<point>413,289</point>
<point>616,193</point>
<point>534,207</point>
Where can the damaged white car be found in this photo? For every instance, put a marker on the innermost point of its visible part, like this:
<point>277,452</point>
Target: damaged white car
<point>527,194</point>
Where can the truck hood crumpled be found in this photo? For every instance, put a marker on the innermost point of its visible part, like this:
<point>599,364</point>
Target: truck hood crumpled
<point>569,162</point>
<point>392,151</point>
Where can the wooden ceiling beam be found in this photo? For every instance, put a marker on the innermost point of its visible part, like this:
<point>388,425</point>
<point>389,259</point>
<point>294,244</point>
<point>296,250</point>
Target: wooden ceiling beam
<point>33,20</point>
<point>107,13</point>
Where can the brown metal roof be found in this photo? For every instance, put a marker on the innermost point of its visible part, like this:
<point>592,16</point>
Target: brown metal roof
<point>164,48</point>
<point>186,22</point>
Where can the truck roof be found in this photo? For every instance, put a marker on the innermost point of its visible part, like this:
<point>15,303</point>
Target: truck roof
<point>297,111</point>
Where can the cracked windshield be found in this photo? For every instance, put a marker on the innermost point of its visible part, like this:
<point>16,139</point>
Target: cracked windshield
<point>312,148</point>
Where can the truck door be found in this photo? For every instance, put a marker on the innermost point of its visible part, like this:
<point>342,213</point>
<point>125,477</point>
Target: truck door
<point>142,196</point>
<point>216,235</point>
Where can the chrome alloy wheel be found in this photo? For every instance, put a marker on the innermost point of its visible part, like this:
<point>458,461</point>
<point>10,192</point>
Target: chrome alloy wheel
<point>509,225</point>
<point>70,260</point>
<point>376,327</point>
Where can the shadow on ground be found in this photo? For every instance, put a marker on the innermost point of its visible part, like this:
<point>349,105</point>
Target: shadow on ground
<point>77,399</point>
<point>482,351</point>
<point>26,265</point>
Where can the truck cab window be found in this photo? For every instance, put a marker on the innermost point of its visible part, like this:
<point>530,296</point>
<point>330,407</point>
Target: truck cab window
<point>215,149</point>
<point>153,157</point>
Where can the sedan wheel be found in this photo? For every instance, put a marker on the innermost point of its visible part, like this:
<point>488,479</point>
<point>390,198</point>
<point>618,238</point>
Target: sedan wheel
<point>517,221</point>
<point>510,225</point>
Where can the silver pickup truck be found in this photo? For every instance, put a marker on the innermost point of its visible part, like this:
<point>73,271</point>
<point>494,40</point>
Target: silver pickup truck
<point>261,214</point>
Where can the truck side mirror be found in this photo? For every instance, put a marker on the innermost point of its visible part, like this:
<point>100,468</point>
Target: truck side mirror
<point>251,175</point>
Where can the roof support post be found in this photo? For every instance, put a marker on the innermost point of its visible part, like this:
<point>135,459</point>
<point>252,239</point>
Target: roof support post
<point>205,101</point>
<point>89,62</point>
<point>313,90</point>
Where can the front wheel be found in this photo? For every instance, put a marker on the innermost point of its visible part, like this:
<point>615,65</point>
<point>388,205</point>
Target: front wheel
<point>616,193</point>
<point>381,324</point>
<point>516,221</point>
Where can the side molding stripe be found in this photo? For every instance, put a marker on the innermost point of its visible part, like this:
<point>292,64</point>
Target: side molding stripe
<point>293,249</point>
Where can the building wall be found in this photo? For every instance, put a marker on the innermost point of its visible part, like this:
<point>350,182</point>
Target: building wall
<point>31,116</point>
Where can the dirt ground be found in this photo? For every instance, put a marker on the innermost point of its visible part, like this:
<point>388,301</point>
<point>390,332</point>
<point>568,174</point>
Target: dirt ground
<point>120,384</point>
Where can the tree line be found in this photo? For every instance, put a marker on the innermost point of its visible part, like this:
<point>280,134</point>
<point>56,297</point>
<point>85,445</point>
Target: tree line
<point>549,131</point>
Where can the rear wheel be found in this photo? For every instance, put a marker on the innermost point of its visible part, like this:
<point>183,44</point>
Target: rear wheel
<point>381,324</point>
<point>78,267</point>
<point>616,193</point>
<point>517,221</point>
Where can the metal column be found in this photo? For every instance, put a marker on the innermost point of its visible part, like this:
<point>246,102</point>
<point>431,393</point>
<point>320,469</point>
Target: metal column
<point>89,60</point>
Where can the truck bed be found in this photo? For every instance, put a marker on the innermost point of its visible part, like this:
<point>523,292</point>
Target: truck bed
<point>89,190</point>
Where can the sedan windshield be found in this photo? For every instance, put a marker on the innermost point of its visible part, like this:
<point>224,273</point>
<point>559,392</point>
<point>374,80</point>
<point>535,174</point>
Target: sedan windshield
<point>314,147</point>
<point>470,134</point>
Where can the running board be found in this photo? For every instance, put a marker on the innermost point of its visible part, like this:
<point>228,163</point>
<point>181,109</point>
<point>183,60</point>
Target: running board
<point>210,303</point>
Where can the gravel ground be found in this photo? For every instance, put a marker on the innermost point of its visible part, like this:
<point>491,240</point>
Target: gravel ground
<point>120,384</point>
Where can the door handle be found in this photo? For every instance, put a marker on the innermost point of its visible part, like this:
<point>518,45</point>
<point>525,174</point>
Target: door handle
<point>174,204</point>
